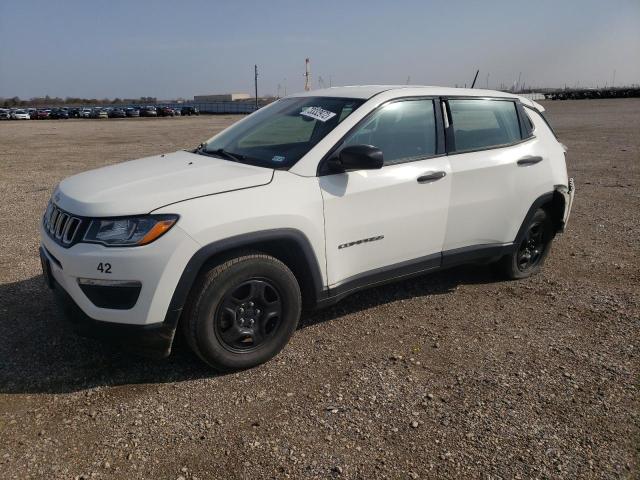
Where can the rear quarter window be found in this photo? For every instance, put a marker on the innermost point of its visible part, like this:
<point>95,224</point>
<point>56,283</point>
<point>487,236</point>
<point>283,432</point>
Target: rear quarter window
<point>479,124</point>
<point>544,119</point>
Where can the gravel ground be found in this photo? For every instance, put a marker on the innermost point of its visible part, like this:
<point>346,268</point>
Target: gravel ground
<point>454,375</point>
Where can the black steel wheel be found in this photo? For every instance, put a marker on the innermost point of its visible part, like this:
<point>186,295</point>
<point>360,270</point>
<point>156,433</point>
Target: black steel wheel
<point>249,314</point>
<point>242,312</point>
<point>530,250</point>
<point>531,247</point>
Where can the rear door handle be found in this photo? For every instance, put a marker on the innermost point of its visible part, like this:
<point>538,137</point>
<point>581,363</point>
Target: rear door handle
<point>529,160</point>
<point>431,177</point>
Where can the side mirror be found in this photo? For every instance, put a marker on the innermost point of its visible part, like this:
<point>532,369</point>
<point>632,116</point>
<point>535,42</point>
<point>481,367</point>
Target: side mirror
<point>357,157</point>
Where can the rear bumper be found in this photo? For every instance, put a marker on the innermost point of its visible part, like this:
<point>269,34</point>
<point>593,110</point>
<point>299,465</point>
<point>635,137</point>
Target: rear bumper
<point>151,340</point>
<point>568,195</point>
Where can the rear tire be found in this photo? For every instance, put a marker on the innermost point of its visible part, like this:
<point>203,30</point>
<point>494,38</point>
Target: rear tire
<point>531,250</point>
<point>242,312</point>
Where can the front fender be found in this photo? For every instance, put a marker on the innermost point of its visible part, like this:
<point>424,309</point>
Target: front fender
<point>244,241</point>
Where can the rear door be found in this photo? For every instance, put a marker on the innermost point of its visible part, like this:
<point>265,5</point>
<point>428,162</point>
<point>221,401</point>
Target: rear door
<point>392,219</point>
<point>498,170</point>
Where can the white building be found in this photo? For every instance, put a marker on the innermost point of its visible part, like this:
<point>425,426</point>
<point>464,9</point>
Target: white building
<point>224,97</point>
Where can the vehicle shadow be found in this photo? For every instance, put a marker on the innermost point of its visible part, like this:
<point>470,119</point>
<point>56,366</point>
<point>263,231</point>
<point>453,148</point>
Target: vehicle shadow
<point>40,353</point>
<point>442,282</point>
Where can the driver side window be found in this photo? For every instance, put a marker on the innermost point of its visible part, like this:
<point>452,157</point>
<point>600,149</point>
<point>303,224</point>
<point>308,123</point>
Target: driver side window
<point>405,131</point>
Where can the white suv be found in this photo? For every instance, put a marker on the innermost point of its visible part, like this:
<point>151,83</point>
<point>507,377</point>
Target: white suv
<point>308,200</point>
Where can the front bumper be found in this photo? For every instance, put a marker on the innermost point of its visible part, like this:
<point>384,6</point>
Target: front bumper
<point>153,340</point>
<point>139,317</point>
<point>156,266</point>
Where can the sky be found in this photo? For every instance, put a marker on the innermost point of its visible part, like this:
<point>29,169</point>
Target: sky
<point>180,48</point>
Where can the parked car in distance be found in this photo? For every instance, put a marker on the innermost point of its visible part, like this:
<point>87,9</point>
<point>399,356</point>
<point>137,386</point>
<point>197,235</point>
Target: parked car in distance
<point>99,113</point>
<point>187,110</point>
<point>177,112</point>
<point>117,112</point>
<point>59,113</point>
<point>362,185</point>
<point>5,114</point>
<point>148,111</point>
<point>85,112</point>
<point>20,115</point>
<point>43,114</point>
<point>132,112</point>
<point>74,112</point>
<point>165,112</point>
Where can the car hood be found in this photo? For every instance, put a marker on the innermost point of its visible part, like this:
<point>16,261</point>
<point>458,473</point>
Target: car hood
<point>141,186</point>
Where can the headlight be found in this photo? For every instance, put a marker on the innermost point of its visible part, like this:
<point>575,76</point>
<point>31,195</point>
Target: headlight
<point>129,231</point>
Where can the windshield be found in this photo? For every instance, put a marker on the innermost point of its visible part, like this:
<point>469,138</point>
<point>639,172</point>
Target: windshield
<point>279,135</point>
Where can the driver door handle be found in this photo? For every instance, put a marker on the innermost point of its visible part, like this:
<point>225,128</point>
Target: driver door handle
<point>429,177</point>
<point>529,160</point>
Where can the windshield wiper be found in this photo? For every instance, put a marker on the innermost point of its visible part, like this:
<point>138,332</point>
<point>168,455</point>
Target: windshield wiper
<point>236,157</point>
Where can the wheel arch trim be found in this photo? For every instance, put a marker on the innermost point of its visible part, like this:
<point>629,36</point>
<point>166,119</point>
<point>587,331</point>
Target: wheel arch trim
<point>244,241</point>
<point>551,198</point>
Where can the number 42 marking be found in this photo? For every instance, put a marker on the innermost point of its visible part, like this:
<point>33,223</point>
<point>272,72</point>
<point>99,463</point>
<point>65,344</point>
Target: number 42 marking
<point>104,267</point>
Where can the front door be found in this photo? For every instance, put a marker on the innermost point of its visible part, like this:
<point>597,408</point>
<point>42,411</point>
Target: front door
<point>392,219</point>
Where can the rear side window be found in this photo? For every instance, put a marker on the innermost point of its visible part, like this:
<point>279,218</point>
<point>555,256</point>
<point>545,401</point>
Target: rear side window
<point>479,124</point>
<point>404,131</point>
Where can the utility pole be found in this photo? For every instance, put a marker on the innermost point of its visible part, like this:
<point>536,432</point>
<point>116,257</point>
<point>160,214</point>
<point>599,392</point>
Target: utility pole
<point>307,75</point>
<point>255,68</point>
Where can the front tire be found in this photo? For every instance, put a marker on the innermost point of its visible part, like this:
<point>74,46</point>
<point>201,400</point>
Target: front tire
<point>531,251</point>
<point>242,312</point>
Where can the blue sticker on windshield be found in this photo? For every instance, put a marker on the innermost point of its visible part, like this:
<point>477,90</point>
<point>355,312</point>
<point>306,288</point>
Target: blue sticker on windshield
<point>277,158</point>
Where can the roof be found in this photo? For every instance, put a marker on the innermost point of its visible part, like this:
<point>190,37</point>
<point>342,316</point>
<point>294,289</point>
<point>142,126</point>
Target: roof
<point>368,91</point>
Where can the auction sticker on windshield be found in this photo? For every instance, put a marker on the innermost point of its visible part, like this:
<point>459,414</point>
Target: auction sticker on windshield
<point>318,113</point>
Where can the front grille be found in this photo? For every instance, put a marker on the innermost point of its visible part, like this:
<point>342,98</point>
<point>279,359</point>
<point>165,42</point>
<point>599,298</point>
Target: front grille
<point>60,225</point>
